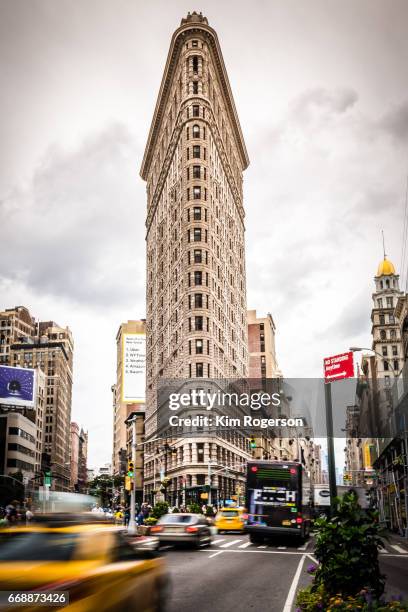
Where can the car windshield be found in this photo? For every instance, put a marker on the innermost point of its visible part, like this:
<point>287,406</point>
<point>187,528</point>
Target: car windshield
<point>229,513</point>
<point>37,546</point>
<point>178,518</point>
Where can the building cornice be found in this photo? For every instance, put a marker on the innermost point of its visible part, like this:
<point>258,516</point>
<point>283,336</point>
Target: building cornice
<point>177,41</point>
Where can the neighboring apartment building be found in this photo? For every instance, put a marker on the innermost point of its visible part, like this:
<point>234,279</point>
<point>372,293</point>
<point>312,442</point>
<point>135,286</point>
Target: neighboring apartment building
<point>17,455</point>
<point>74,455</point>
<point>49,347</point>
<point>105,470</point>
<point>354,467</point>
<point>18,436</point>
<point>261,342</point>
<point>129,391</point>
<point>196,284</point>
<point>390,340</point>
<point>264,374</point>
<point>387,340</point>
<point>22,427</point>
<point>15,323</point>
<point>83,460</point>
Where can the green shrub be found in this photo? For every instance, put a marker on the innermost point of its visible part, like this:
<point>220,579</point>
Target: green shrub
<point>210,511</point>
<point>160,509</point>
<point>175,511</point>
<point>194,508</point>
<point>150,521</point>
<point>348,576</point>
<point>347,550</point>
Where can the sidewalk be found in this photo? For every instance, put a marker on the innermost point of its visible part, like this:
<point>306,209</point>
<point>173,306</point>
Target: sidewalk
<point>396,538</point>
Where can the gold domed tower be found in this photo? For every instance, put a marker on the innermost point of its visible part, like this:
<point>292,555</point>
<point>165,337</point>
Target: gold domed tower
<point>385,268</point>
<point>385,326</point>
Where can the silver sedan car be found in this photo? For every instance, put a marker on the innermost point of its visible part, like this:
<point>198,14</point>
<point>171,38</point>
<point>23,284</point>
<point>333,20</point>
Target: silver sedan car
<point>184,528</point>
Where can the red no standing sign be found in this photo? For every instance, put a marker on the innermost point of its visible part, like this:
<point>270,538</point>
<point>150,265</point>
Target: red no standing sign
<point>338,367</point>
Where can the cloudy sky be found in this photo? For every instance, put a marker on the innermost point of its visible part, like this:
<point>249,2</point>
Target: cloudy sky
<point>321,89</point>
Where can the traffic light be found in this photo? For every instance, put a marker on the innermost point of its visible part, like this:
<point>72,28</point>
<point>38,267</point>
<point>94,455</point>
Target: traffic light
<point>252,443</point>
<point>131,469</point>
<point>47,478</point>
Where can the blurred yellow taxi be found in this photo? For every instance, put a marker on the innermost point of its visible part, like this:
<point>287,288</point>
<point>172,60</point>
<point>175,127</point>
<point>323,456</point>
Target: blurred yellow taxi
<point>99,566</point>
<point>230,519</point>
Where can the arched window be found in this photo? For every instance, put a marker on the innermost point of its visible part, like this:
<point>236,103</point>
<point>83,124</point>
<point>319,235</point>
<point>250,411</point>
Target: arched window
<point>196,131</point>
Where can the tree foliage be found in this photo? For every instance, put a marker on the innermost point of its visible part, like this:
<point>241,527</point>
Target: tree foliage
<point>160,509</point>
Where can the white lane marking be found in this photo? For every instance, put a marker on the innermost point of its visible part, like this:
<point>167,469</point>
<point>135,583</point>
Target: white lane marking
<point>218,541</point>
<point>262,547</point>
<point>219,552</point>
<point>245,545</point>
<point>267,552</point>
<point>282,547</point>
<point>313,558</point>
<point>292,591</point>
<point>383,551</point>
<point>399,549</point>
<point>227,544</point>
<point>304,546</point>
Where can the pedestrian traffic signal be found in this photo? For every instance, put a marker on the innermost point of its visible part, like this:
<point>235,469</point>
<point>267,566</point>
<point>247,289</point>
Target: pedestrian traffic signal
<point>131,469</point>
<point>252,443</point>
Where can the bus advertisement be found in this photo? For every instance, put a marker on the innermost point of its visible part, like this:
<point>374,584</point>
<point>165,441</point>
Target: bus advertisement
<point>278,500</point>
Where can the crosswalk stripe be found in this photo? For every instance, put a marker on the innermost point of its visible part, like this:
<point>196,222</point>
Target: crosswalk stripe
<point>227,544</point>
<point>245,545</point>
<point>219,541</point>
<point>281,547</point>
<point>383,551</point>
<point>262,547</point>
<point>398,548</point>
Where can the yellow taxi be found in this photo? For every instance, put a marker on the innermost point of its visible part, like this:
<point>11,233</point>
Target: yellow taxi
<point>98,567</point>
<point>230,519</point>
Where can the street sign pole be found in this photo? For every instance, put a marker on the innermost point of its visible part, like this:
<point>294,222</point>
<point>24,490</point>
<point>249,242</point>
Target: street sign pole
<point>336,367</point>
<point>330,445</point>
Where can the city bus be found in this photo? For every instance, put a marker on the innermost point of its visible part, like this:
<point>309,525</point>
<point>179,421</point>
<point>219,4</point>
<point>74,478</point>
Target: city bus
<point>278,500</point>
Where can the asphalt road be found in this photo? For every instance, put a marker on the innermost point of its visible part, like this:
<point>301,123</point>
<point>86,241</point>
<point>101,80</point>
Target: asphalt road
<point>233,574</point>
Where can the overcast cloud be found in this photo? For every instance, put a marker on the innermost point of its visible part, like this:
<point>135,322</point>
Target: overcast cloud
<point>321,89</point>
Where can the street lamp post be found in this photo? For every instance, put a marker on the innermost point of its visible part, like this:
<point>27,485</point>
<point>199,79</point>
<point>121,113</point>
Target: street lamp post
<point>209,483</point>
<point>359,349</point>
<point>132,527</point>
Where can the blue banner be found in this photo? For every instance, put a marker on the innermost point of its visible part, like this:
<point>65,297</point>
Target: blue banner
<point>17,386</point>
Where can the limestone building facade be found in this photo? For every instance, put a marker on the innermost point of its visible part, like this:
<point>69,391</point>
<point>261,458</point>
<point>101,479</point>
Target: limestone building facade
<point>196,321</point>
